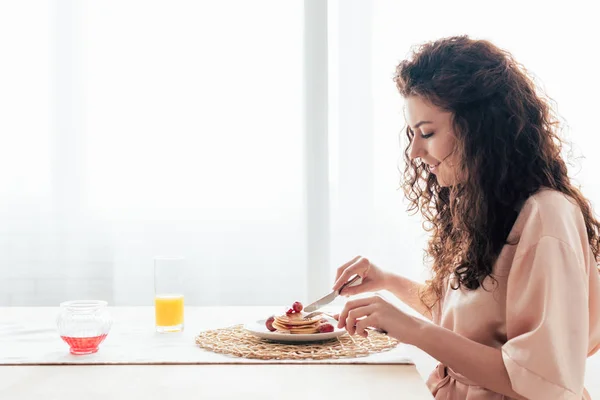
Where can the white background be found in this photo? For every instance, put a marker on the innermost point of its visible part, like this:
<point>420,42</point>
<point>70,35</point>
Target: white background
<point>134,129</point>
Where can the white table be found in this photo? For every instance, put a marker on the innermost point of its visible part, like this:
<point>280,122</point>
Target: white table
<point>135,362</point>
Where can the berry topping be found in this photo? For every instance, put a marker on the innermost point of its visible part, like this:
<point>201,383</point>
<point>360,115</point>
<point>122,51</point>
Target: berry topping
<point>297,307</point>
<point>269,324</point>
<point>324,328</point>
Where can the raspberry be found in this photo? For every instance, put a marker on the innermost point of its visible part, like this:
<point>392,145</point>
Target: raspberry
<point>324,328</point>
<point>289,312</point>
<point>269,323</point>
<point>297,306</point>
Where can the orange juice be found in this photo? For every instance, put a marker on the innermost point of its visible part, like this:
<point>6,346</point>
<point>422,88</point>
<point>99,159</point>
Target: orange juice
<point>169,311</point>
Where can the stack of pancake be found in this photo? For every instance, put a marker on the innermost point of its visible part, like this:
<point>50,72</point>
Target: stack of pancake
<point>296,324</point>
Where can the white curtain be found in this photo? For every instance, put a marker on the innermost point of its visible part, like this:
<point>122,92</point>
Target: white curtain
<point>135,129</point>
<point>368,211</point>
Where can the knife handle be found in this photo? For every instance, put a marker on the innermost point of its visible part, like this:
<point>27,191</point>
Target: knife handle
<point>355,281</point>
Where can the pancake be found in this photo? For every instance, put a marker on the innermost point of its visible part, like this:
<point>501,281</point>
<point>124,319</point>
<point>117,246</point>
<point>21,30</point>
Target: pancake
<point>297,319</point>
<point>295,330</point>
<point>296,324</point>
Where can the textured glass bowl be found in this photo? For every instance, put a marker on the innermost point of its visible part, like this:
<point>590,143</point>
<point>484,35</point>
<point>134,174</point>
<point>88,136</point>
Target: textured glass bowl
<point>83,324</point>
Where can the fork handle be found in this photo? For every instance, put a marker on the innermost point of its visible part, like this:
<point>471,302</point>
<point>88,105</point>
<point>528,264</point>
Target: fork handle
<point>376,330</point>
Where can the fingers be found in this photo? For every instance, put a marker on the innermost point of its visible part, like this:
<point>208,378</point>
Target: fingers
<point>355,315</point>
<point>362,325</point>
<point>359,265</point>
<point>352,290</point>
<point>343,267</point>
<point>351,305</point>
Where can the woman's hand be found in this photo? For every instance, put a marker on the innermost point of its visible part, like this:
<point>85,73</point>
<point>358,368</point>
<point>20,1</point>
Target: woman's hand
<point>373,278</point>
<point>376,312</point>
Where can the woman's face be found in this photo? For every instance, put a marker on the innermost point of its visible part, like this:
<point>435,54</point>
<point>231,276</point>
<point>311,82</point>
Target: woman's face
<point>433,139</point>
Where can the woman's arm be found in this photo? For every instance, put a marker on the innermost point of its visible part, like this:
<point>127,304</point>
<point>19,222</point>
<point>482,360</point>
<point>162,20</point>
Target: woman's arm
<point>407,291</point>
<point>477,362</point>
<point>375,278</point>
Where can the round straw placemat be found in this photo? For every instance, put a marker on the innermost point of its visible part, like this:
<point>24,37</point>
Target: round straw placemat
<point>238,342</point>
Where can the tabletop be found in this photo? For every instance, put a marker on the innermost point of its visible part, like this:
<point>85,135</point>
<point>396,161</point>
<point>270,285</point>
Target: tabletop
<point>135,362</point>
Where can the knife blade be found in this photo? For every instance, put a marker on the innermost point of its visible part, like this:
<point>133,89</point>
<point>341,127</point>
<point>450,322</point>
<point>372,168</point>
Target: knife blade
<point>323,301</point>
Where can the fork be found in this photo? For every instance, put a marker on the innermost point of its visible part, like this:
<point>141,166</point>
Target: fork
<point>315,313</point>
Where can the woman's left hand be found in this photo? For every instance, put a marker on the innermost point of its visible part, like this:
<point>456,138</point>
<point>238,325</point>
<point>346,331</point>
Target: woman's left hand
<point>376,312</point>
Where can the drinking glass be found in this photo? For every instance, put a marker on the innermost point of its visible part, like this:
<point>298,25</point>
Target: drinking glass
<point>83,324</point>
<point>168,293</point>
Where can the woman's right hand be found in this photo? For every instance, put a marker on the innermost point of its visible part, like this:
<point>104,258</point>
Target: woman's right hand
<point>373,278</point>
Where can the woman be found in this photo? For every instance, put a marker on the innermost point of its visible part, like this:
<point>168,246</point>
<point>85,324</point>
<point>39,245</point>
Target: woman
<point>515,291</point>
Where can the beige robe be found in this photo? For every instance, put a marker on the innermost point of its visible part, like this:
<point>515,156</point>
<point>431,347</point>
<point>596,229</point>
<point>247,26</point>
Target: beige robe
<point>543,312</point>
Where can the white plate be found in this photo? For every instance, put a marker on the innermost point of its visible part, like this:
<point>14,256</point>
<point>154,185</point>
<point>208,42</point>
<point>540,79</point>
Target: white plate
<point>258,328</point>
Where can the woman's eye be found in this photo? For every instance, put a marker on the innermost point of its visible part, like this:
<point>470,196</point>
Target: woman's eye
<point>427,136</point>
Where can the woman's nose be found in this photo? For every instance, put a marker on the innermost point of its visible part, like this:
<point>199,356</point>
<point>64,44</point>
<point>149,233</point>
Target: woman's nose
<point>416,149</point>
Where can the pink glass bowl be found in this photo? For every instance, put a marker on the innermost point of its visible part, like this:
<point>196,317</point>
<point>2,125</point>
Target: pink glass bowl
<point>83,324</point>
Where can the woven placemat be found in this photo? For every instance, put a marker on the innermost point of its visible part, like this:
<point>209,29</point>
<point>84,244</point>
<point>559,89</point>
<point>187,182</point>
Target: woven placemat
<point>238,342</point>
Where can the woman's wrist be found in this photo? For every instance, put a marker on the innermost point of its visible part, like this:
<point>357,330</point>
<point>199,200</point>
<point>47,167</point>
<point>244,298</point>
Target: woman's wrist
<point>418,331</point>
<point>408,292</point>
<point>408,329</point>
<point>387,281</point>
<point>395,284</point>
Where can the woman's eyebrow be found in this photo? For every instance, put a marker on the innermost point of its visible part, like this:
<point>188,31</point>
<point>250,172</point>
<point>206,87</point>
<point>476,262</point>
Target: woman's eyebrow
<point>418,124</point>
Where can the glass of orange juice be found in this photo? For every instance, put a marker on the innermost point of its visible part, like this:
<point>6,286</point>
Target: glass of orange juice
<point>168,293</point>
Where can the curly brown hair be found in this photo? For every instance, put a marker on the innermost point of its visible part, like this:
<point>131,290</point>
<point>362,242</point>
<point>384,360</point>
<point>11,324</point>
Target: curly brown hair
<point>508,145</point>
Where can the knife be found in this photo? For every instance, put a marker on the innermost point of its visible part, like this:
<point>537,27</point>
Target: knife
<point>323,301</point>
